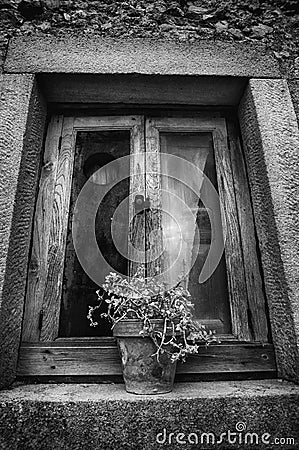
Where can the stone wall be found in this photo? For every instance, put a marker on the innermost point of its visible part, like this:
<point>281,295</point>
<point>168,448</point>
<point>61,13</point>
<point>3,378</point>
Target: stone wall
<point>254,39</point>
<point>274,23</point>
<point>22,121</point>
<point>93,417</point>
<point>211,41</point>
<point>271,141</point>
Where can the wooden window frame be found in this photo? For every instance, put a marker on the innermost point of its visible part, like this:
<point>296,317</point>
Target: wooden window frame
<point>43,353</point>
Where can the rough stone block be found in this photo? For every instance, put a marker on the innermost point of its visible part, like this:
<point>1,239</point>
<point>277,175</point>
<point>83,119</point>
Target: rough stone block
<point>22,117</point>
<point>74,54</point>
<point>294,91</point>
<point>271,143</point>
<point>106,417</point>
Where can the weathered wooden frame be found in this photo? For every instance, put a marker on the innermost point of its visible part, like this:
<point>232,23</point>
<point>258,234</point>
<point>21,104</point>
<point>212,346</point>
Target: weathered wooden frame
<point>56,356</point>
<point>44,281</point>
<point>244,278</point>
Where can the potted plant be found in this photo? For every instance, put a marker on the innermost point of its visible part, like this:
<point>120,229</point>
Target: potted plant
<point>153,327</point>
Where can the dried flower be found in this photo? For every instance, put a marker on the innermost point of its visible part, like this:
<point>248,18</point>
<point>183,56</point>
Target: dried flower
<point>147,299</point>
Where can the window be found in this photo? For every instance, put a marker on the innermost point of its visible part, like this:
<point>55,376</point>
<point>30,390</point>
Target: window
<point>57,339</point>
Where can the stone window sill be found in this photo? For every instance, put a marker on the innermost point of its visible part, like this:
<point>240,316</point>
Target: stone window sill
<point>105,416</point>
<point>95,393</point>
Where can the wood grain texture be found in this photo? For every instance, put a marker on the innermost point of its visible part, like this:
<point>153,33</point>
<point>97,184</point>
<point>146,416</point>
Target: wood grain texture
<point>81,358</point>
<point>255,296</point>
<point>107,123</point>
<point>233,247</point>
<point>136,238</point>
<point>58,230</point>
<point>153,192</point>
<point>38,264</point>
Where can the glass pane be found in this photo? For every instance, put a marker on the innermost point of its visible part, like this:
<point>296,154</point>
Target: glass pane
<point>186,225</point>
<point>93,150</point>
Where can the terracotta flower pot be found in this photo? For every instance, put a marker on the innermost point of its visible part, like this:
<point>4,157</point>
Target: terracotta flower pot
<point>142,373</point>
